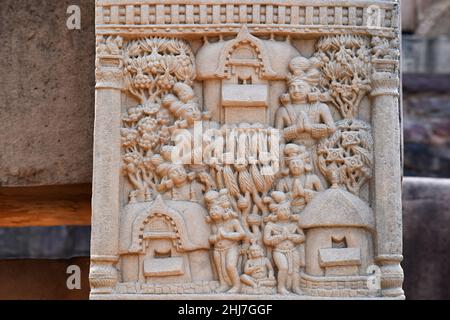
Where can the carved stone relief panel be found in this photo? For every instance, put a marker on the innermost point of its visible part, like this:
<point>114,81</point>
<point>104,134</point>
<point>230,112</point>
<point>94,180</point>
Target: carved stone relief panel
<point>233,154</point>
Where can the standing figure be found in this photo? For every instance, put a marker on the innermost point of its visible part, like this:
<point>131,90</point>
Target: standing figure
<point>227,233</point>
<point>300,184</point>
<point>303,119</point>
<point>283,234</point>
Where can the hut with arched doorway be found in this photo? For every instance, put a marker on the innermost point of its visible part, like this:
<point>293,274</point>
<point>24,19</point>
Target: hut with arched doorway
<point>165,242</point>
<point>243,77</point>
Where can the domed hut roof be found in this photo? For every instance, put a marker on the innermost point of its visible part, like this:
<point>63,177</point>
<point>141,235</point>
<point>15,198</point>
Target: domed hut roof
<point>337,207</point>
<point>187,220</point>
<point>207,60</point>
<point>274,56</point>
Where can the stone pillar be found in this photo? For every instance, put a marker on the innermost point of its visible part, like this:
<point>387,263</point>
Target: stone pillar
<point>387,177</point>
<point>106,183</point>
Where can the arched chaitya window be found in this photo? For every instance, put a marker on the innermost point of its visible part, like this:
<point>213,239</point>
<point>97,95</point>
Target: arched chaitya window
<point>158,224</point>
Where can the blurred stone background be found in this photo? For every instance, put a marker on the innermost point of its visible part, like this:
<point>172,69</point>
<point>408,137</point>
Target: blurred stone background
<point>47,112</point>
<point>426,87</point>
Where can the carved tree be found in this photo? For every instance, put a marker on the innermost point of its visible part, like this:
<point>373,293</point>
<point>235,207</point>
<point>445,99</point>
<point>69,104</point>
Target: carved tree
<point>346,157</point>
<point>153,66</point>
<point>345,66</point>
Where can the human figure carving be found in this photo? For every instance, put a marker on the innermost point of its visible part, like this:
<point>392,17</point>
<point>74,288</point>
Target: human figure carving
<point>258,270</point>
<point>183,105</point>
<point>283,235</point>
<point>304,119</point>
<point>382,48</point>
<point>179,185</point>
<point>300,184</point>
<point>227,233</point>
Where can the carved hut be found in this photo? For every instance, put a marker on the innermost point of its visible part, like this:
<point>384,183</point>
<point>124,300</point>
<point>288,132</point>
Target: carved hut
<point>247,78</point>
<point>160,247</point>
<point>338,227</point>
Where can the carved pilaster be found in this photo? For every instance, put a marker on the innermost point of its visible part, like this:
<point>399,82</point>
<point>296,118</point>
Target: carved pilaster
<point>391,275</point>
<point>109,63</point>
<point>387,174</point>
<point>106,187</point>
<point>103,274</point>
<point>385,84</point>
<point>109,77</point>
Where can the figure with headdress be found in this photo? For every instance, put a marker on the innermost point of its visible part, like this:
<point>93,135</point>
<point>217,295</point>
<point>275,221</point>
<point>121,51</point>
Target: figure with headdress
<point>300,184</point>
<point>179,185</point>
<point>183,106</point>
<point>258,270</point>
<point>283,235</point>
<point>227,233</point>
<point>302,117</point>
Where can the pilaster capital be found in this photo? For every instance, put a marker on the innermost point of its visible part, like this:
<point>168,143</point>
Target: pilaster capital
<point>385,84</point>
<point>109,73</point>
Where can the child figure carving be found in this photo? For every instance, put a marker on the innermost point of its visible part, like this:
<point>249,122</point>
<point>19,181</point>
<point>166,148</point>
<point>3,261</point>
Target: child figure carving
<point>258,270</point>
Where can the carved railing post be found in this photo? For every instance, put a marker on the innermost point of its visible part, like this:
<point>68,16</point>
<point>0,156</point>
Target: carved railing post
<point>106,189</point>
<point>387,174</point>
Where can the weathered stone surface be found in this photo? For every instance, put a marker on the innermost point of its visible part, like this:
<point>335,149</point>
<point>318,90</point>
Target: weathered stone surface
<point>426,124</point>
<point>426,17</point>
<point>53,143</point>
<point>80,119</point>
<point>46,93</point>
<point>426,55</point>
<point>294,121</point>
<point>42,279</point>
<point>60,242</point>
<point>426,216</point>
<point>434,19</point>
<point>409,15</point>
<point>428,83</point>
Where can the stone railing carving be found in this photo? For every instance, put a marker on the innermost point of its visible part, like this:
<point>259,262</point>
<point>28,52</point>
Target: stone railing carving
<point>213,15</point>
